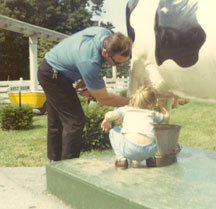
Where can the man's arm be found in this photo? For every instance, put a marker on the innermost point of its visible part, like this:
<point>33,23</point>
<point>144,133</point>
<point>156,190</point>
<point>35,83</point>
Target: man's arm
<point>108,99</point>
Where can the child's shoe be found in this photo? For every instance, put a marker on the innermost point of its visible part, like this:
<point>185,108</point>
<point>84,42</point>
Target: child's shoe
<point>151,162</point>
<point>121,164</point>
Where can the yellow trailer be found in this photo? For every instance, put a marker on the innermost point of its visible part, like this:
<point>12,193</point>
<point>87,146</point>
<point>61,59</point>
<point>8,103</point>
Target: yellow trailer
<point>35,99</point>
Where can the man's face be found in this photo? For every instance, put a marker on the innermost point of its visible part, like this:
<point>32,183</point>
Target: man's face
<point>117,60</point>
<point>114,60</point>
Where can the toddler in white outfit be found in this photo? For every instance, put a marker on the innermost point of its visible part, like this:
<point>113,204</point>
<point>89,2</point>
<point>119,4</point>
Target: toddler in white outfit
<point>136,139</point>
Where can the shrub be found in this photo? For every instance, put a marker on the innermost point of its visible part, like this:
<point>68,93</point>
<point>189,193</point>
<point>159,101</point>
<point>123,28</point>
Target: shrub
<point>13,117</point>
<point>83,100</point>
<point>123,93</point>
<point>93,136</point>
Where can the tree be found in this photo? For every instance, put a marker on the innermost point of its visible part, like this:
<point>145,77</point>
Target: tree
<point>121,71</point>
<point>14,60</point>
<point>65,16</point>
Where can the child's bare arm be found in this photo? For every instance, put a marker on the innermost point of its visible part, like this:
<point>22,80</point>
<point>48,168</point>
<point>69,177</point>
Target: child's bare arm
<point>111,115</point>
<point>107,122</point>
<point>166,113</point>
<point>162,108</point>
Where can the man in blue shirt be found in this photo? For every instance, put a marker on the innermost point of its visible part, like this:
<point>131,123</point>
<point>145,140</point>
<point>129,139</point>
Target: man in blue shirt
<point>80,56</point>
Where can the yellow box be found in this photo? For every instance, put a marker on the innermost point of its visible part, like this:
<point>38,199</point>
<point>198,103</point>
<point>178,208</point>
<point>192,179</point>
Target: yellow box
<point>35,99</point>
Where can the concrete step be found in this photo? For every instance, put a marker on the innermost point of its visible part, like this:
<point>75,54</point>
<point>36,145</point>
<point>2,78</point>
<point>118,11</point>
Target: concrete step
<point>93,183</point>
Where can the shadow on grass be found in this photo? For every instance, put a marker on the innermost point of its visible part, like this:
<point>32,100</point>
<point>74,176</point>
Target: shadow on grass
<point>36,127</point>
<point>27,129</point>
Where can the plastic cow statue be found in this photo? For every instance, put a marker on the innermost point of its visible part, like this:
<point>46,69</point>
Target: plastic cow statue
<point>174,47</point>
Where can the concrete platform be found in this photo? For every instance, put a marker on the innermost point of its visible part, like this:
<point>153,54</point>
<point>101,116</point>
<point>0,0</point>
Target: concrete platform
<point>93,183</point>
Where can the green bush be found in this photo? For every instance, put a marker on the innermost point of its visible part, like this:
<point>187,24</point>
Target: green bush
<point>13,117</point>
<point>83,100</point>
<point>93,136</point>
<point>123,93</point>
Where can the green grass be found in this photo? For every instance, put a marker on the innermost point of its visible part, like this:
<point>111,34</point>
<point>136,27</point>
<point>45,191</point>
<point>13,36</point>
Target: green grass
<point>198,121</point>
<point>28,147</point>
<point>24,147</point>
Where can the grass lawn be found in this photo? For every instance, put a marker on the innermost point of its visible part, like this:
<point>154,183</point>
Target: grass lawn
<point>28,147</point>
<point>24,147</point>
<point>198,121</point>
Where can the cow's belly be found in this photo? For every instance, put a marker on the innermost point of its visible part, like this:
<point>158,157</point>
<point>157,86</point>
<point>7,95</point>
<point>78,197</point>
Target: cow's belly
<point>196,82</point>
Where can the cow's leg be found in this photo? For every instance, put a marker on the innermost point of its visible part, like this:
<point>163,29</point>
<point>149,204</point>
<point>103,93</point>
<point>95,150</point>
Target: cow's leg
<point>136,76</point>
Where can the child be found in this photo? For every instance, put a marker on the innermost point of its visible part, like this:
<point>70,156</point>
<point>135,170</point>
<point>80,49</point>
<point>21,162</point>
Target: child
<point>136,139</point>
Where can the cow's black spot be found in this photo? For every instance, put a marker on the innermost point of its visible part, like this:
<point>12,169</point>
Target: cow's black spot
<point>179,36</point>
<point>129,8</point>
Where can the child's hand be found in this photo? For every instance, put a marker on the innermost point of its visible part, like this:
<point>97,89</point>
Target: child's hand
<point>162,105</point>
<point>106,125</point>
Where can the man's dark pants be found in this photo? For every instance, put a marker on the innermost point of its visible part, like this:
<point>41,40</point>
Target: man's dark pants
<point>65,115</point>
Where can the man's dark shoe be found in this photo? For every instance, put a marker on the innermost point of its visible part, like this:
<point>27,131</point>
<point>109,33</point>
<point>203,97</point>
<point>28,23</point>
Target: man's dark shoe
<point>151,162</point>
<point>121,164</point>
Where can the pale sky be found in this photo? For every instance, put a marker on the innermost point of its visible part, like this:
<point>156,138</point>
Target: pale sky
<point>115,13</point>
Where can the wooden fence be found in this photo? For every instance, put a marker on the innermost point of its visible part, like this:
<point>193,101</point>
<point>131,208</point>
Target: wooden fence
<point>116,85</point>
<point>113,86</point>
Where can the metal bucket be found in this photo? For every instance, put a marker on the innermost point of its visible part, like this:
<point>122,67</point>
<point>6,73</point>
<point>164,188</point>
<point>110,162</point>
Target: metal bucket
<point>167,136</point>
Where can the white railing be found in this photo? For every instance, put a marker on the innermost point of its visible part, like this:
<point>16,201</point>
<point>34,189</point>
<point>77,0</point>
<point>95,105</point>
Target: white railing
<point>114,85</point>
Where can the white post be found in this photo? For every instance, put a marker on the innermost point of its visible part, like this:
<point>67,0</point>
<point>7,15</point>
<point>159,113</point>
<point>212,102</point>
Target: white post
<point>33,63</point>
<point>114,72</point>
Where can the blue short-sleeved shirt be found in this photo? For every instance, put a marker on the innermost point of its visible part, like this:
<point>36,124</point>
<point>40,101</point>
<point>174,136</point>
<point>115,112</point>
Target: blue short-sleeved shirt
<point>79,56</point>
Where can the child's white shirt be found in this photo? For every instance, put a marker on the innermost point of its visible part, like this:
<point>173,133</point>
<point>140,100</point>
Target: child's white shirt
<point>140,121</point>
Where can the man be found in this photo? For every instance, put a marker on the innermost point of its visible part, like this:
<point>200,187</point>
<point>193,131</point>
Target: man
<point>80,56</point>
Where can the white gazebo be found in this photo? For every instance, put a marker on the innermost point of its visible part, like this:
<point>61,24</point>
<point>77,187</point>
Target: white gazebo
<point>33,32</point>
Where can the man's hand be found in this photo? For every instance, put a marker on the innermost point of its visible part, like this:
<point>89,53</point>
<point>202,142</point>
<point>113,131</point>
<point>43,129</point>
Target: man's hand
<point>88,96</point>
<point>81,88</point>
<point>80,85</point>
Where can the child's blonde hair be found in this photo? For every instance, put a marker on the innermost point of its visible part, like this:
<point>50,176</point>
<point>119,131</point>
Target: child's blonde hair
<point>144,97</point>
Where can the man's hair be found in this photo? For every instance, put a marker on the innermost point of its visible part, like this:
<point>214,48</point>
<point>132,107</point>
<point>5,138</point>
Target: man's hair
<point>117,43</point>
<point>143,97</point>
